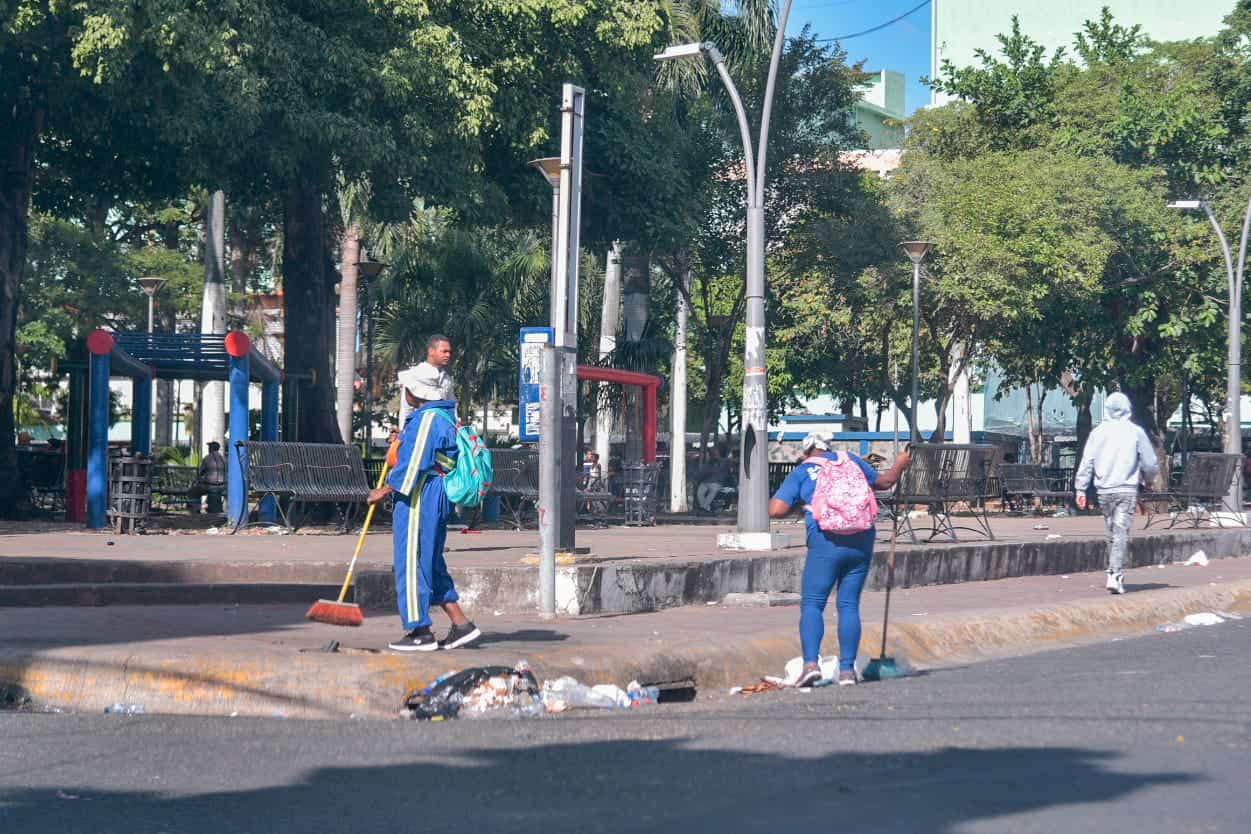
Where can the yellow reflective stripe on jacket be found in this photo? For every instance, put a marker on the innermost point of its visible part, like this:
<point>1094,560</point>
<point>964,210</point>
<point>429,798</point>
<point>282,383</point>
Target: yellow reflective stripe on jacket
<point>419,452</point>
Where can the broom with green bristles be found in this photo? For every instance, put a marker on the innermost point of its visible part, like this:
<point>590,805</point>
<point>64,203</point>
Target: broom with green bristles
<point>338,612</point>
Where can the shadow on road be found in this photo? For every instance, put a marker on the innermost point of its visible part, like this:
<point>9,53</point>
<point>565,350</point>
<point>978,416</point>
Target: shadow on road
<point>610,786</point>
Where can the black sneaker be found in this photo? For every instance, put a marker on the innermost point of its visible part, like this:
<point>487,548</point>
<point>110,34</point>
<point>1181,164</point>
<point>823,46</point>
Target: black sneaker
<point>417,640</point>
<point>459,636</point>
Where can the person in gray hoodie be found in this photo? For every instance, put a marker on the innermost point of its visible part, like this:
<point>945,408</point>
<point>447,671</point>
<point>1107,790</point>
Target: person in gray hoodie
<point>1118,454</point>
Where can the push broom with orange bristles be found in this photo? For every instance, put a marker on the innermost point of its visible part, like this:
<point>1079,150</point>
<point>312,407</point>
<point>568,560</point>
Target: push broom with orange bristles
<point>338,612</point>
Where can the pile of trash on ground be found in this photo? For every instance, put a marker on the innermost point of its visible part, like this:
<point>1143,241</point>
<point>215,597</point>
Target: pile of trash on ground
<point>514,692</point>
<point>795,666</point>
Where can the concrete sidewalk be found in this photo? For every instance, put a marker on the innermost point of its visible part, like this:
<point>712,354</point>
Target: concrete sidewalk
<point>628,570</point>
<point>267,660</point>
<point>488,548</point>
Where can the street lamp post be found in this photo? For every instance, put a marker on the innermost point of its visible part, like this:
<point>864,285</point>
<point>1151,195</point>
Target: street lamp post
<point>559,380</point>
<point>369,270</point>
<point>1233,408</point>
<point>151,286</point>
<point>916,251</point>
<point>753,490</point>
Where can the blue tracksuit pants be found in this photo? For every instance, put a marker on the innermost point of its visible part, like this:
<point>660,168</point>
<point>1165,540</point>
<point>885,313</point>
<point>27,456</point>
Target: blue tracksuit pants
<point>419,532</point>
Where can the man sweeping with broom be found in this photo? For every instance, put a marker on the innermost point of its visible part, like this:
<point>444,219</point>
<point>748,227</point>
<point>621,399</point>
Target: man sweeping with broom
<point>427,450</point>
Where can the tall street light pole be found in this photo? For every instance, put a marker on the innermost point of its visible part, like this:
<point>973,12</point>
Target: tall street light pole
<point>1233,407</point>
<point>369,270</point>
<point>753,489</point>
<point>151,285</point>
<point>559,373</point>
<point>916,251</point>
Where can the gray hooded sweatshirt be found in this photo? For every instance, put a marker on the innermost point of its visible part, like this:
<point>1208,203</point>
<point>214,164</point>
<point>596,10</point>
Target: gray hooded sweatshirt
<point>1117,452</point>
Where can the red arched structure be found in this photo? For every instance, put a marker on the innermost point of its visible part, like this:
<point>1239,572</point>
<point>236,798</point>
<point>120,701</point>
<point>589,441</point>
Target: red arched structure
<point>650,385</point>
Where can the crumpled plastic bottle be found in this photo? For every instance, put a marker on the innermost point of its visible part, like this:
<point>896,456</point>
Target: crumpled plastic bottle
<point>126,709</point>
<point>640,695</point>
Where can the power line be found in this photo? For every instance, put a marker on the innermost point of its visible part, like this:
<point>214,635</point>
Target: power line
<point>879,27</point>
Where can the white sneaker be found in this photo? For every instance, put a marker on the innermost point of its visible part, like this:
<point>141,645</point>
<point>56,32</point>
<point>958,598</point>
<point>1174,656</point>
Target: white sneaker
<point>1116,583</point>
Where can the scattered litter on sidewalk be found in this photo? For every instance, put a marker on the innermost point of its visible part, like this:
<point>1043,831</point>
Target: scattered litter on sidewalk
<point>763,686</point>
<point>566,693</point>
<point>920,613</point>
<point>126,709</point>
<point>1203,618</point>
<point>1041,527</point>
<point>64,795</point>
<point>1197,559</point>
<point>1053,536</point>
<point>212,531</point>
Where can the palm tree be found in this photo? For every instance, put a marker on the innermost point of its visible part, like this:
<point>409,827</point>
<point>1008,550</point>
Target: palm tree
<point>477,287</point>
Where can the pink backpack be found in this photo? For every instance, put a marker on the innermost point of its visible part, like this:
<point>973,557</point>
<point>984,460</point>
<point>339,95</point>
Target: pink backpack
<point>842,501</point>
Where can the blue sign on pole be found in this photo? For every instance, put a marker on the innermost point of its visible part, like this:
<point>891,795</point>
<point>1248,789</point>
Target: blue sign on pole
<point>533,340</point>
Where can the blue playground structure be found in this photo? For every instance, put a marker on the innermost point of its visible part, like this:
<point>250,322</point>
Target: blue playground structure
<point>144,357</point>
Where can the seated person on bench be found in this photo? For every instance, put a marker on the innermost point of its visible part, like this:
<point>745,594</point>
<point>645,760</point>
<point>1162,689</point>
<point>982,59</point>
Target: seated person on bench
<point>210,481</point>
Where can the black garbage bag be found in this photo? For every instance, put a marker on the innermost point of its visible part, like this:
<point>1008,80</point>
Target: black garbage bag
<point>444,698</point>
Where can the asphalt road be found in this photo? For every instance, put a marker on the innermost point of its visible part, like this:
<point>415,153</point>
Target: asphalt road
<point>1143,735</point>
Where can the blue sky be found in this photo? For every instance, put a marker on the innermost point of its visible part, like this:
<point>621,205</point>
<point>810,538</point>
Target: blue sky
<point>903,46</point>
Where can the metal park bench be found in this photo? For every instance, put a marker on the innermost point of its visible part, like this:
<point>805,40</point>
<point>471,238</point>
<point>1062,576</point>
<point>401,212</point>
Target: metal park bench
<point>942,477</point>
<point>295,474</point>
<point>1022,483</point>
<point>595,500</point>
<point>515,481</point>
<point>172,484</point>
<point>1201,493</point>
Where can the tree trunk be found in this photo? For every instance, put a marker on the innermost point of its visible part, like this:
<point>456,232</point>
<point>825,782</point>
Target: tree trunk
<point>17,171</point>
<point>308,310</point>
<point>1085,424</point>
<point>345,366</point>
<point>1142,399</point>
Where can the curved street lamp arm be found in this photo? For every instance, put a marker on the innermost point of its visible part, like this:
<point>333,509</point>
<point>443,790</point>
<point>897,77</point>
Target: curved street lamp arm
<point>1242,252</point>
<point>1220,235</point>
<point>718,61</point>
<point>779,40</point>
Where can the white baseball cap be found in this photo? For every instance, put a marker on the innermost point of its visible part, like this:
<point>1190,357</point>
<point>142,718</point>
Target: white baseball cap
<point>815,442</point>
<point>426,382</point>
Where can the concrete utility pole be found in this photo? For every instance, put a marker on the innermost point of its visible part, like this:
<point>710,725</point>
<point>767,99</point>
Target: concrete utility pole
<point>677,403</point>
<point>1233,393</point>
<point>753,489</point>
<point>610,317</point>
<point>558,439</point>
<point>213,315</point>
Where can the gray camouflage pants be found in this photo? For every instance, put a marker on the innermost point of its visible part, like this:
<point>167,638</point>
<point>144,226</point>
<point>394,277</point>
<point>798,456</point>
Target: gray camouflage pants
<point>1118,514</point>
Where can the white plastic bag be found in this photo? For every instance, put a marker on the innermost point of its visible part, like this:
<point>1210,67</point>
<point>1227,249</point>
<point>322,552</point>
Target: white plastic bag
<point>795,667</point>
